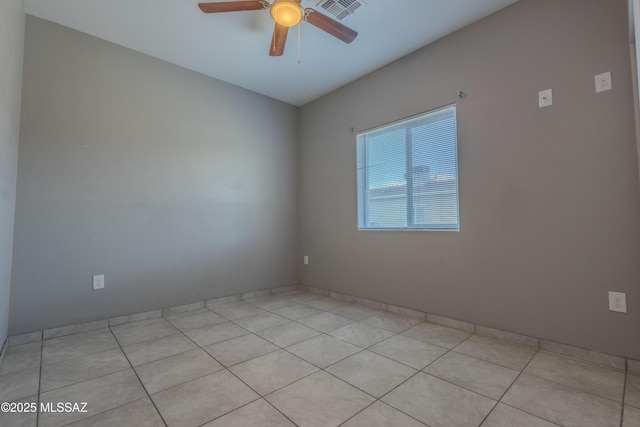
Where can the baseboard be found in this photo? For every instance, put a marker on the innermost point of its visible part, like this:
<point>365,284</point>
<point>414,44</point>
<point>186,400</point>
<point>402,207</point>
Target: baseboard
<point>592,356</point>
<point>75,328</point>
<point>3,350</point>
<point>612,361</point>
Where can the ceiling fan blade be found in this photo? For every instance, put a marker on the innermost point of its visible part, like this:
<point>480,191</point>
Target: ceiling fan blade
<point>279,40</point>
<point>233,6</point>
<point>330,26</point>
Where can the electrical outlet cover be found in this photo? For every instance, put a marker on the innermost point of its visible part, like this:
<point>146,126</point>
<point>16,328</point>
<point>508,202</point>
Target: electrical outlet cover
<point>603,82</point>
<point>618,302</point>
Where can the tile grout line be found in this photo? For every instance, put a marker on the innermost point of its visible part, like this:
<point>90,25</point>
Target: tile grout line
<point>403,382</point>
<point>319,369</point>
<point>232,373</point>
<point>498,401</point>
<point>421,371</point>
<point>624,395</point>
<point>514,381</point>
<point>301,288</point>
<point>139,380</point>
<point>39,383</point>
<point>322,333</point>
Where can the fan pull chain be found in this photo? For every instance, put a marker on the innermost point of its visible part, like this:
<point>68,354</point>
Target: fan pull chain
<point>299,61</point>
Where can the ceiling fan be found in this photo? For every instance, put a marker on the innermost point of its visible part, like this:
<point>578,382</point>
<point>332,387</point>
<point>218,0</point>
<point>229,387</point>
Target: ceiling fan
<point>285,13</point>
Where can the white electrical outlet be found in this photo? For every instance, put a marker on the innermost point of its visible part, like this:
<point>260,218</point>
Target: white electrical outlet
<point>306,260</point>
<point>545,98</point>
<point>603,82</point>
<point>98,282</point>
<point>618,302</point>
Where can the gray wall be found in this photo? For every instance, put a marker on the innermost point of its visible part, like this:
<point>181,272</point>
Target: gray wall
<point>12,19</point>
<point>550,214</point>
<point>176,186</point>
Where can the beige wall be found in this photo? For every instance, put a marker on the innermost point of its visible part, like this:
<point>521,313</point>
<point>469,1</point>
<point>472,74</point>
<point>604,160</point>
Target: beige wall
<point>549,198</point>
<point>11,49</point>
<point>176,186</point>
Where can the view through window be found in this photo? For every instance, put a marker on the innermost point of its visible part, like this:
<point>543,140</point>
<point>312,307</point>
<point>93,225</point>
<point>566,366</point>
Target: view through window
<point>408,174</point>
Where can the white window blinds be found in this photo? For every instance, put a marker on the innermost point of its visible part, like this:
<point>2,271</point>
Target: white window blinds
<point>408,174</point>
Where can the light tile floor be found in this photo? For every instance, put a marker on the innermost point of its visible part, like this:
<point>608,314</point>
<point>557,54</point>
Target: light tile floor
<point>304,359</point>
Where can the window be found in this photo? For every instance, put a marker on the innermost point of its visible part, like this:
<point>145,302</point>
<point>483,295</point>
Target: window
<point>408,174</point>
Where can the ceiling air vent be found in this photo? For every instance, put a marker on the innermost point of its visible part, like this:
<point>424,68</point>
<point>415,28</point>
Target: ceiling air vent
<point>340,8</point>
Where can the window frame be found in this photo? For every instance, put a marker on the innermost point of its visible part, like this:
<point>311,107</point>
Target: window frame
<point>362,177</point>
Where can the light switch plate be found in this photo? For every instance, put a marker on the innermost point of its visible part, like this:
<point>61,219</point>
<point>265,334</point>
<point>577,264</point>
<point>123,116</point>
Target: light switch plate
<point>98,282</point>
<point>545,98</point>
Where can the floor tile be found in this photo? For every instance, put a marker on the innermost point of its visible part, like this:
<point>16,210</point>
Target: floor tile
<point>631,417</point>
<point>100,394</point>
<point>442,336</point>
<point>18,359</point>
<point>144,330</point>
<point>272,371</point>
<point>255,414</point>
<point>499,352</point>
<point>561,404</point>
<point>216,333</point>
<point>160,348</point>
<point>357,312</point>
<point>261,321</point>
<point>140,413</point>
<point>320,400</point>
<point>326,322</point>
<point>297,311</point>
<point>64,348</point>
<point>237,310</point>
<point>287,334</point>
<point>361,335</point>
<point>181,368</point>
<point>241,349</point>
<point>21,419</point>
<point>199,320</point>
<point>199,401</point>
<point>323,350</point>
<point>632,393</point>
<point>485,378</point>
<point>406,350</point>
<point>382,415</point>
<point>327,304</point>
<point>393,322</point>
<point>598,380</point>
<point>371,373</point>
<point>438,403</point>
<point>18,385</point>
<point>81,369</point>
<point>506,416</point>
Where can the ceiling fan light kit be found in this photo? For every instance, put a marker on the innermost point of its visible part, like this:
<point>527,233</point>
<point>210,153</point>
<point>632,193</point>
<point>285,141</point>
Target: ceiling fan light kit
<point>285,13</point>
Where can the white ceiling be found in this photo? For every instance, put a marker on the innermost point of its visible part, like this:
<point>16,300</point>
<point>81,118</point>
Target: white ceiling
<point>234,46</point>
